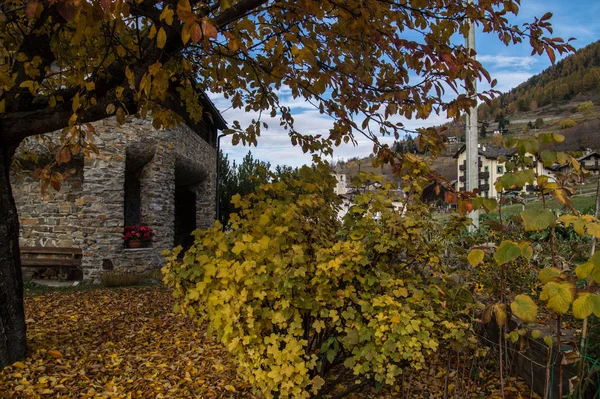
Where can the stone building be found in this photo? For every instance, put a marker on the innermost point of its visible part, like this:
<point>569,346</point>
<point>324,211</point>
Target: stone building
<point>165,179</point>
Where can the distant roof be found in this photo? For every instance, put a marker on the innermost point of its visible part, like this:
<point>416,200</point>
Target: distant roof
<point>490,151</point>
<point>588,155</point>
<point>556,167</point>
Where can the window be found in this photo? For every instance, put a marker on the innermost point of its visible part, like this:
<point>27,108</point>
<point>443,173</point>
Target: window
<point>486,168</point>
<point>500,169</point>
<point>132,199</point>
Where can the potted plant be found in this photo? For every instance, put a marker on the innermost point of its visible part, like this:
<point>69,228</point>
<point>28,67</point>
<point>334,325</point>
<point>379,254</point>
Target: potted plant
<point>136,236</point>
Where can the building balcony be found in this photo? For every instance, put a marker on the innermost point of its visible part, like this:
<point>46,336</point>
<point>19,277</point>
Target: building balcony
<point>484,187</point>
<point>484,175</point>
<point>463,166</point>
<point>462,179</point>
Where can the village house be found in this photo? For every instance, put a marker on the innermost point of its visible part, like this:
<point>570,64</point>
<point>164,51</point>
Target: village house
<point>590,161</point>
<point>342,184</point>
<point>491,169</point>
<point>163,179</point>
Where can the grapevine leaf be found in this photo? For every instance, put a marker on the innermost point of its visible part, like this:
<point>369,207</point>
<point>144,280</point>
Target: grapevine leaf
<point>507,252</point>
<point>537,219</point>
<point>548,274</point>
<point>559,296</point>
<point>475,257</point>
<point>524,308</point>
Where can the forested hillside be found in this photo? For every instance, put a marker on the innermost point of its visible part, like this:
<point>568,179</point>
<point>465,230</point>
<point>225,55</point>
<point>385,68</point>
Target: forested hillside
<point>578,74</point>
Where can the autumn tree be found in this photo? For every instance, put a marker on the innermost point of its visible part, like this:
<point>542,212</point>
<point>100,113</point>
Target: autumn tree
<point>67,63</point>
<point>239,179</point>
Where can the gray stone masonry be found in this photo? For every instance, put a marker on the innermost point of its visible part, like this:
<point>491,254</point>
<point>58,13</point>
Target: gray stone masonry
<point>88,211</point>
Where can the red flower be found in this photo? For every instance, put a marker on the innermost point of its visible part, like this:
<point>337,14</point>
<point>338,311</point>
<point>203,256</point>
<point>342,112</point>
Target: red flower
<point>137,233</point>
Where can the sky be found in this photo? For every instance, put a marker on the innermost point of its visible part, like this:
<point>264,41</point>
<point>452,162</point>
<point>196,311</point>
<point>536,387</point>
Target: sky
<point>510,66</point>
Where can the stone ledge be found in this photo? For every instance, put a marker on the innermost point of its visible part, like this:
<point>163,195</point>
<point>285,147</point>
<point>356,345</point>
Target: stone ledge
<point>138,249</point>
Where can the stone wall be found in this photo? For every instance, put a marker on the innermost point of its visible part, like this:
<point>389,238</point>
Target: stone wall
<point>52,219</point>
<point>88,212</point>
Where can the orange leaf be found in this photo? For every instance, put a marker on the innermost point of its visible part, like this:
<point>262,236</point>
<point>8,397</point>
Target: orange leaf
<point>208,29</point>
<point>31,8</point>
<point>196,33</point>
<point>54,353</point>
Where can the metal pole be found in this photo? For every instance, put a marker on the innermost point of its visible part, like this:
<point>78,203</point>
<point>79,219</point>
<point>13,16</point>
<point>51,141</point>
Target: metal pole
<point>218,193</point>
<point>472,166</point>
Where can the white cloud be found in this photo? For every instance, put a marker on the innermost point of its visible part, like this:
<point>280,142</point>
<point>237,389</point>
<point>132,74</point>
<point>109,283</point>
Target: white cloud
<point>504,61</point>
<point>506,80</point>
<point>274,143</point>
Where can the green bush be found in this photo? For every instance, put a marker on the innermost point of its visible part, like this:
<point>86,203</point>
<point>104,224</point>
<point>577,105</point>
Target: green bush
<point>120,279</point>
<point>567,123</point>
<point>298,296</point>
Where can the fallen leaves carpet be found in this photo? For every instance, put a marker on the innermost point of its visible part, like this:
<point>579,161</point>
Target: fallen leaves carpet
<point>127,343</point>
<point>119,343</point>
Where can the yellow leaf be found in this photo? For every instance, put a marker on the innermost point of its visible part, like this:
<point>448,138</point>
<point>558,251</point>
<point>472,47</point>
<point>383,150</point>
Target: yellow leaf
<point>230,388</point>
<point>19,365</point>
<point>524,308</point>
<point>317,383</point>
<point>500,313</point>
<point>152,32</point>
<point>75,104</point>
<point>475,257</point>
<point>167,15</point>
<point>558,295</point>
<point>548,274</point>
<point>183,6</point>
<point>186,33</point>
<point>161,38</point>
<point>586,304</point>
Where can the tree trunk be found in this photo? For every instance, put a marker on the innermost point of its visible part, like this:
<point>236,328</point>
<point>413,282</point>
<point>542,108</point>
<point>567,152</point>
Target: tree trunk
<point>12,313</point>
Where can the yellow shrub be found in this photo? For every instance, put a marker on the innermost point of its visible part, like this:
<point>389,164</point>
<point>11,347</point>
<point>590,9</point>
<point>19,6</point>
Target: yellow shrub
<point>294,293</point>
<point>567,123</point>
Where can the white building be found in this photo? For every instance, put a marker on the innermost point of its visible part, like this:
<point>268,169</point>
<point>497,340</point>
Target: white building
<point>490,169</point>
<point>342,184</point>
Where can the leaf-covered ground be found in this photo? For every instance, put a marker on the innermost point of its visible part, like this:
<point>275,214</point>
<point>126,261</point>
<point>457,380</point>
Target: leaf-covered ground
<point>127,343</point>
<point>122,343</point>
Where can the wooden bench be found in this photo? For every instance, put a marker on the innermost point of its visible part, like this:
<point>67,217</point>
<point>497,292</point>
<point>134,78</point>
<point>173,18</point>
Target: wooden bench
<point>51,257</point>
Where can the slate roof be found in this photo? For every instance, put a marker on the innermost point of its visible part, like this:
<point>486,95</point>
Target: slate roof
<point>556,167</point>
<point>490,152</point>
<point>586,156</point>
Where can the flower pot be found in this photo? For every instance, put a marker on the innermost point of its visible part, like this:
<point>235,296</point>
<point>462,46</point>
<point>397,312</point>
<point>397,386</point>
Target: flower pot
<point>134,244</point>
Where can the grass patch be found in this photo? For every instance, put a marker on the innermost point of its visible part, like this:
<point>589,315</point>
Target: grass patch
<point>581,203</point>
<point>120,279</point>
<point>111,279</point>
